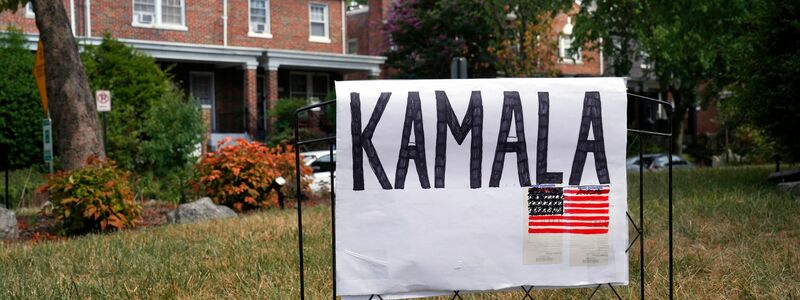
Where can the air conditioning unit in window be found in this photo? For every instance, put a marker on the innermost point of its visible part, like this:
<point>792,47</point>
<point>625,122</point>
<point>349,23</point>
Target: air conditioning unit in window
<point>260,28</point>
<point>144,18</point>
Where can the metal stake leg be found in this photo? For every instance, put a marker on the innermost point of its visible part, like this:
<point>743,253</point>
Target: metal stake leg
<point>671,150</point>
<point>333,220</point>
<point>641,208</point>
<point>299,207</point>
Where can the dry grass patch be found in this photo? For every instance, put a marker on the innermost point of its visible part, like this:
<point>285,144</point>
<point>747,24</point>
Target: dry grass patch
<point>736,237</point>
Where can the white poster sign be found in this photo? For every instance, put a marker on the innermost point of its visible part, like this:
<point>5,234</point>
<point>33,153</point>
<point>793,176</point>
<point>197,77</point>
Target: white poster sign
<point>103,99</point>
<point>479,185</point>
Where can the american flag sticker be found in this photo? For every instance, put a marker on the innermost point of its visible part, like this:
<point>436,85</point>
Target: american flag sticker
<point>568,210</point>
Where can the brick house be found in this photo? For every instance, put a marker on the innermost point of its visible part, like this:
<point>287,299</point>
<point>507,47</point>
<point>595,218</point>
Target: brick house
<point>236,57</point>
<point>366,37</point>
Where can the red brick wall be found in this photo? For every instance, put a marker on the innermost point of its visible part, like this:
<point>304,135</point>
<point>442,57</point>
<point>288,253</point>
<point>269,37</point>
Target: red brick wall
<point>358,28</point>
<point>590,62</point>
<point>379,12</point>
<point>289,24</point>
<point>249,82</point>
<point>202,17</point>
<point>27,25</point>
<point>367,27</point>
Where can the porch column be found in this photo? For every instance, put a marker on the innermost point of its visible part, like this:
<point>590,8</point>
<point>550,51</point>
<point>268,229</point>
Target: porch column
<point>272,94</point>
<point>251,101</point>
<point>207,122</point>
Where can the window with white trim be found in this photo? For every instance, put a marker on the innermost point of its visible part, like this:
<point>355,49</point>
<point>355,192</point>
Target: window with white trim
<point>159,13</point>
<point>565,48</point>
<point>318,22</point>
<point>352,46</point>
<point>259,17</point>
<point>172,12</point>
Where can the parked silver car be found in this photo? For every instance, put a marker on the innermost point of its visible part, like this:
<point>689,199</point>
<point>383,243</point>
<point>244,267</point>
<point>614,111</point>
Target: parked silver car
<point>321,164</point>
<point>632,163</point>
<point>662,162</point>
<point>656,161</point>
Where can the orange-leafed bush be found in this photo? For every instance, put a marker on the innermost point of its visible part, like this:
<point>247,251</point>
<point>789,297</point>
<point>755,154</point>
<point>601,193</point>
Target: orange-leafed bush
<point>240,176</point>
<point>97,197</point>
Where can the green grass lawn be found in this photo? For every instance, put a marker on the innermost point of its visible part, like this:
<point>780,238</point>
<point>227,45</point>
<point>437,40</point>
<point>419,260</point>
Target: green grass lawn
<point>736,237</point>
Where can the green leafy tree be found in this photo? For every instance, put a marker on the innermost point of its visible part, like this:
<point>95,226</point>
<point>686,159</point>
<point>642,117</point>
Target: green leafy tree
<point>526,45</point>
<point>20,110</point>
<point>766,73</point>
<point>71,106</point>
<point>152,128</point>
<point>136,84</point>
<point>505,35</point>
<point>284,115</point>
<point>426,34</point>
<point>685,41</point>
<point>174,131</point>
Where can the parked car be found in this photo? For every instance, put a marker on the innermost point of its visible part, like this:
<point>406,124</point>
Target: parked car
<point>632,163</point>
<point>662,162</point>
<point>321,164</point>
<point>656,161</point>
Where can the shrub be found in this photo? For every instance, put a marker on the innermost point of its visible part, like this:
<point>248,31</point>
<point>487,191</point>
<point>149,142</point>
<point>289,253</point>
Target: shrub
<point>240,176</point>
<point>167,156</point>
<point>20,109</point>
<point>172,131</point>
<point>97,197</point>
<point>152,127</point>
<point>149,115</point>
<point>283,127</point>
<point>174,187</point>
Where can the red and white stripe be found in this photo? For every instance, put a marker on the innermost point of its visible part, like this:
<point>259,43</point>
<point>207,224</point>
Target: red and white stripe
<point>585,212</point>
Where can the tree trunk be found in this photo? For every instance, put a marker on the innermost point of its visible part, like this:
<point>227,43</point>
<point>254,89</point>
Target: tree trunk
<point>71,104</point>
<point>681,99</point>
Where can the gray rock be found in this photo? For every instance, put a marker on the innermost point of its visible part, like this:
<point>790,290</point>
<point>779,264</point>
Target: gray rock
<point>8,225</point>
<point>793,188</point>
<point>200,210</point>
<point>46,204</point>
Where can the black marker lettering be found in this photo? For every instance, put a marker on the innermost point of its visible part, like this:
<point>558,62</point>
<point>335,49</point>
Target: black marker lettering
<point>473,122</point>
<point>414,151</point>
<point>592,115</point>
<point>542,176</point>
<point>511,104</point>
<point>362,141</point>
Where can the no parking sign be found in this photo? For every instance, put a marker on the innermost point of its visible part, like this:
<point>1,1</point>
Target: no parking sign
<point>103,99</point>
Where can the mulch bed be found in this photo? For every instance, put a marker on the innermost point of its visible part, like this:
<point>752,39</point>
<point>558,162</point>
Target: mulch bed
<point>39,227</point>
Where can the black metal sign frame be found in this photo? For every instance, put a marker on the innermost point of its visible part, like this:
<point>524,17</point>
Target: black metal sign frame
<point>638,227</point>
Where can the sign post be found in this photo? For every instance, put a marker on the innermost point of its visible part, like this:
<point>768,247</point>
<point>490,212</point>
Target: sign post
<point>6,166</point>
<point>47,139</point>
<point>103,100</point>
<point>47,127</point>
